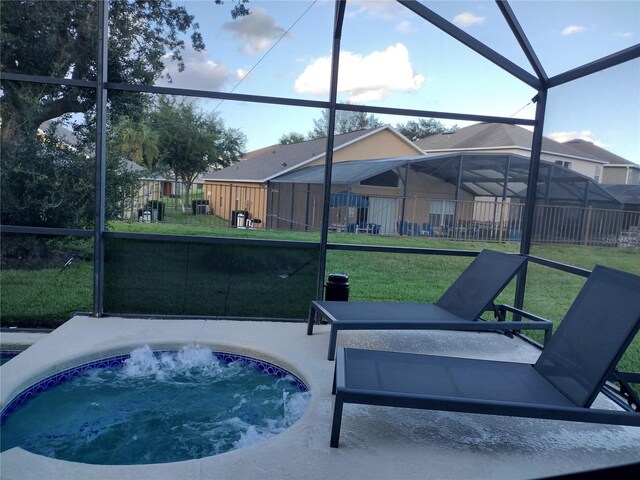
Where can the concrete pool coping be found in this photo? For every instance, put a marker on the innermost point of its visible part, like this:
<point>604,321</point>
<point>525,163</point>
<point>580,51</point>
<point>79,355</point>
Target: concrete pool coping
<point>376,442</point>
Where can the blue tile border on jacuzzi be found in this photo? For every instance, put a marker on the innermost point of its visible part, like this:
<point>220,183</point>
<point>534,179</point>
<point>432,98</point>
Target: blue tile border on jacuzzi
<point>262,365</point>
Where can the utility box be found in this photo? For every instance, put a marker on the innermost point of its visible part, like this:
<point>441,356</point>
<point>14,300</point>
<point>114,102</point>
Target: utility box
<point>337,288</point>
<point>238,218</point>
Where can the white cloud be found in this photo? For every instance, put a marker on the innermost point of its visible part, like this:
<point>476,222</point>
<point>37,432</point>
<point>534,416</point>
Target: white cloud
<point>363,78</point>
<point>387,9</point>
<point>255,33</point>
<point>586,135</point>
<point>467,19</point>
<point>405,27</point>
<point>573,29</point>
<point>241,73</point>
<point>624,34</point>
<point>200,73</point>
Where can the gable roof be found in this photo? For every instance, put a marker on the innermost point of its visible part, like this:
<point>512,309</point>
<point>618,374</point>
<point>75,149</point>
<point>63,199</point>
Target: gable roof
<point>592,150</point>
<point>483,136</point>
<point>266,163</point>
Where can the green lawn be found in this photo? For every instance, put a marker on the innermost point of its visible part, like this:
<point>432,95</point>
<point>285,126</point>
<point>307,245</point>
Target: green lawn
<point>48,296</point>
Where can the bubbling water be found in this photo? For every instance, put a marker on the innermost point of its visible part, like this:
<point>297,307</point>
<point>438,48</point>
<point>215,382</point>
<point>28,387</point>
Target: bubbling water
<point>156,408</point>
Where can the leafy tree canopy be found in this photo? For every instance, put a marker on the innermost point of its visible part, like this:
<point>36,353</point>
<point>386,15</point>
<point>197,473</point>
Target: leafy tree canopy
<point>59,39</point>
<point>135,141</point>
<point>421,128</point>
<point>346,121</point>
<point>46,183</point>
<point>292,137</point>
<point>191,142</point>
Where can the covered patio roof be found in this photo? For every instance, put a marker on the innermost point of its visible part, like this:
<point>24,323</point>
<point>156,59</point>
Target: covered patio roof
<point>494,175</point>
<point>346,173</point>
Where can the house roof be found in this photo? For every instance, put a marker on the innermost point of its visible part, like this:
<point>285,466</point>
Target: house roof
<point>144,173</point>
<point>592,150</point>
<point>483,136</point>
<point>266,163</point>
<point>65,134</point>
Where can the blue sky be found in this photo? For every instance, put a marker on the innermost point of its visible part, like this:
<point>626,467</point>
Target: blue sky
<point>392,58</point>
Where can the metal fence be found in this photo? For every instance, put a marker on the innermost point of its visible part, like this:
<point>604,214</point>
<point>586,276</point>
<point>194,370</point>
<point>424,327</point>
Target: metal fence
<point>287,207</point>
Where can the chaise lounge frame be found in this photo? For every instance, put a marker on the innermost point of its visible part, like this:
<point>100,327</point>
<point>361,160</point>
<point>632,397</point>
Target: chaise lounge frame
<point>561,385</point>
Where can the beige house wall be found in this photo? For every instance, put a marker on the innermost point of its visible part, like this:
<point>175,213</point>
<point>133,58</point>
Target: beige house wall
<point>615,175</point>
<point>384,144</point>
<point>584,167</point>
<point>621,174</point>
<point>224,197</point>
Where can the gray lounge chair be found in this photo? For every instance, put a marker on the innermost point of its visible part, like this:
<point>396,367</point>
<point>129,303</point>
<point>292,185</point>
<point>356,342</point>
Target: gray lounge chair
<point>561,385</point>
<point>459,308</point>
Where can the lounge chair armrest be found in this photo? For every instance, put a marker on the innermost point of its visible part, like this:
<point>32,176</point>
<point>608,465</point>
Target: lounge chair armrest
<point>500,311</point>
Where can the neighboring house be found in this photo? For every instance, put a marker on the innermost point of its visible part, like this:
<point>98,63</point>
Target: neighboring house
<point>499,138</point>
<point>580,156</point>
<point>618,170</point>
<point>66,136</point>
<point>384,183</point>
<point>245,187</point>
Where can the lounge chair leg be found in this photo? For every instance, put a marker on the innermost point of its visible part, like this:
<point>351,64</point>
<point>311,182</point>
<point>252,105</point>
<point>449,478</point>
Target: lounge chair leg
<point>547,336</point>
<point>334,387</point>
<point>312,319</point>
<point>333,338</point>
<point>337,420</point>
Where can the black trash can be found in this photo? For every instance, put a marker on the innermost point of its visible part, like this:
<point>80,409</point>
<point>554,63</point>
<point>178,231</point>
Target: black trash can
<point>337,288</point>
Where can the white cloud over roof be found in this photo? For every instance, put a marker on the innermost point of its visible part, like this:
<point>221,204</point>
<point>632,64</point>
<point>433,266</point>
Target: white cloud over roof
<point>565,136</point>
<point>467,19</point>
<point>255,33</point>
<point>363,78</point>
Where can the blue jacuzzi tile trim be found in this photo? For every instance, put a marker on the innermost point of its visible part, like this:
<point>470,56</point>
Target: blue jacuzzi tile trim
<point>24,396</point>
<point>9,354</point>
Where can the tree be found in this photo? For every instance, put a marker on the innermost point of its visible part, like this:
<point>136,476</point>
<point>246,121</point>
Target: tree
<point>192,142</point>
<point>423,127</point>
<point>59,39</point>
<point>292,137</point>
<point>136,141</point>
<point>346,121</point>
<point>46,183</point>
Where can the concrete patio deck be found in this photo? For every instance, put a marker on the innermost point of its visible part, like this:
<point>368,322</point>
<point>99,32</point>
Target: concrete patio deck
<point>376,442</point>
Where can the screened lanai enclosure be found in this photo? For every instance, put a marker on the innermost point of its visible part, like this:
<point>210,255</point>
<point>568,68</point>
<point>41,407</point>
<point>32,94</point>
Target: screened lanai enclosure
<point>477,197</point>
<point>115,91</point>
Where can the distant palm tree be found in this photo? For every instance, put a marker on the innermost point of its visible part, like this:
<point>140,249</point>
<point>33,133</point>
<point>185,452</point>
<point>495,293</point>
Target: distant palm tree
<point>137,142</point>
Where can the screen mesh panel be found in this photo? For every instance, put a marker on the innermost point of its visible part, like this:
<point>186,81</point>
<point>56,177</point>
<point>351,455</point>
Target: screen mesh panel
<point>219,279</point>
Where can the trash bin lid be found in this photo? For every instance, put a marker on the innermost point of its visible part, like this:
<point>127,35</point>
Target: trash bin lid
<point>338,278</point>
